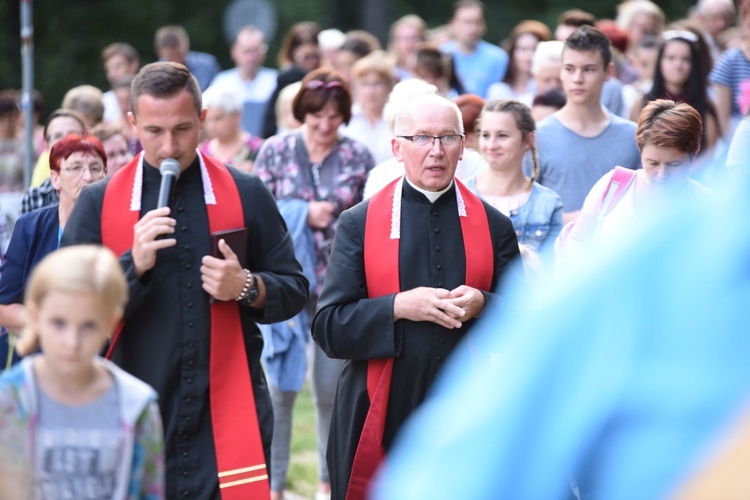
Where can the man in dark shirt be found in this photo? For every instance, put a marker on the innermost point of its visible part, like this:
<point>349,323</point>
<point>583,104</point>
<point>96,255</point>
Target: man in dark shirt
<point>173,336</point>
<point>410,269</point>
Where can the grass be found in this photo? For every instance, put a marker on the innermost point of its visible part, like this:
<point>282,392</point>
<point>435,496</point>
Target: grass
<point>303,464</point>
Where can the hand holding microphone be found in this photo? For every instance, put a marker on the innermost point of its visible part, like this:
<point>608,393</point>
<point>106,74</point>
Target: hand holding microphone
<point>170,171</point>
<point>149,232</point>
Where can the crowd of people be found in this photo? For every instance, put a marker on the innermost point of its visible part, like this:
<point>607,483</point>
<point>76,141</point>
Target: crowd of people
<point>373,200</point>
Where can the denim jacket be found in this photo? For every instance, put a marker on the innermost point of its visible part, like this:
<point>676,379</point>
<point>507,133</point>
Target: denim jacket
<point>538,221</point>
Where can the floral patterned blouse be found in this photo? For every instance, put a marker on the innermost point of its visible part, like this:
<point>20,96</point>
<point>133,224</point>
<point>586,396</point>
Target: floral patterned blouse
<point>283,164</point>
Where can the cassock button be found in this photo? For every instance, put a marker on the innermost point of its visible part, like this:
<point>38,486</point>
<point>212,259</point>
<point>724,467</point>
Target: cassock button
<point>437,248</point>
<point>439,358</point>
<point>434,376</point>
<point>437,229</point>
<point>183,474</point>
<point>186,247</point>
<point>188,267</point>
<point>442,339</point>
<point>189,285</point>
<point>184,228</point>
<point>191,324</point>
<point>189,380</point>
<point>185,493</point>
<point>184,438</point>
<point>439,267</point>
<point>434,213</point>
<point>191,363</point>
<point>180,209</point>
<point>188,400</point>
<point>188,420</point>
<point>190,305</point>
<point>440,284</point>
<point>184,454</point>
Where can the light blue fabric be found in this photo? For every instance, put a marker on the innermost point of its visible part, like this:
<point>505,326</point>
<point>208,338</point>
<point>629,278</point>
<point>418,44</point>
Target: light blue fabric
<point>480,69</point>
<point>537,222</point>
<point>570,164</point>
<point>284,343</point>
<point>621,377</point>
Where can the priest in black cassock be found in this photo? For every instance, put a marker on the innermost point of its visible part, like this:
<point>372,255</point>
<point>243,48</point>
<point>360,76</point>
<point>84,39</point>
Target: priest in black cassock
<point>190,325</point>
<point>409,271</point>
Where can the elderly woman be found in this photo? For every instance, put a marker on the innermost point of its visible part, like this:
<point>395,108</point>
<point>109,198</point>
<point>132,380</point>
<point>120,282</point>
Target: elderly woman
<point>75,162</point>
<point>322,174</point>
<point>228,142</point>
<point>373,78</point>
<point>669,137</point>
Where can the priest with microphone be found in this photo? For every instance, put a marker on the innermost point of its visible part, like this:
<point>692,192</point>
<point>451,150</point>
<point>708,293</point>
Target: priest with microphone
<point>207,256</point>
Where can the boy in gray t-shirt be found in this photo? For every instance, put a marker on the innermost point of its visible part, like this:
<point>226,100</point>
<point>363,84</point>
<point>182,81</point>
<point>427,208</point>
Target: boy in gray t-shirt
<point>582,141</point>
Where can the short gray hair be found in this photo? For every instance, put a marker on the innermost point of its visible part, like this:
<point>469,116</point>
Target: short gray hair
<point>405,111</point>
<point>223,97</point>
<point>546,51</point>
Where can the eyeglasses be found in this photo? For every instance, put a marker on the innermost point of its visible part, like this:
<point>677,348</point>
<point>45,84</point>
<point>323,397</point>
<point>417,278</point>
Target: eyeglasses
<point>688,36</point>
<point>318,85</point>
<point>78,170</point>
<point>427,141</point>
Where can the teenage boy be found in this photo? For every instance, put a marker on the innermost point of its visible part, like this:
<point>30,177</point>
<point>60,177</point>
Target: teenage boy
<point>583,141</point>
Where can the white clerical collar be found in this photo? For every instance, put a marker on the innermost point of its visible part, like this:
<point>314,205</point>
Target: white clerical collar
<point>396,208</point>
<point>430,195</point>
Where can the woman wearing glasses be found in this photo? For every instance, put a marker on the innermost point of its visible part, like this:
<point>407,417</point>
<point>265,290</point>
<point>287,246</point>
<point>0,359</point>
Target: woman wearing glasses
<point>75,162</point>
<point>680,75</point>
<point>315,174</point>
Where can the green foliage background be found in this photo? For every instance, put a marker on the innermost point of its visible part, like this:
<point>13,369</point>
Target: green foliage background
<point>69,34</point>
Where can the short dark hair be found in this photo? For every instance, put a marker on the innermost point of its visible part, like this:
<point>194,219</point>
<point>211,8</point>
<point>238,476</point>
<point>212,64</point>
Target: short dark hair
<point>666,124</point>
<point>589,39</point>
<point>164,80</point>
<point>576,18</point>
<point>311,98</point>
<point>468,3</point>
<point>171,37</point>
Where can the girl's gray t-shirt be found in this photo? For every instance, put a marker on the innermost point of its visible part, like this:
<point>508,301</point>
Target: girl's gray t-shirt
<point>77,448</point>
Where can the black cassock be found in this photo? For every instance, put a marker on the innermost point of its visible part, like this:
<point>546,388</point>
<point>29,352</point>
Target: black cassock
<point>349,325</point>
<point>165,340</point>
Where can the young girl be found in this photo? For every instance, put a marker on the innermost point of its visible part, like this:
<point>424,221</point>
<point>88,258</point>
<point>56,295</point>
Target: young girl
<point>506,132</point>
<point>679,75</point>
<point>73,425</point>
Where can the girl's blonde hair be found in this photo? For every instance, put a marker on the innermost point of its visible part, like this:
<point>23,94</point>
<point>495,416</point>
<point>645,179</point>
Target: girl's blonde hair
<point>75,269</point>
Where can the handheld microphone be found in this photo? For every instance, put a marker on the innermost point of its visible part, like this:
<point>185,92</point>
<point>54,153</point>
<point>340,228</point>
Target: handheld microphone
<point>170,172</point>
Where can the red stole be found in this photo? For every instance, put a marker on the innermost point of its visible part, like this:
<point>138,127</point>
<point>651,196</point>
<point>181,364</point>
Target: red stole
<point>382,273</point>
<point>237,441</point>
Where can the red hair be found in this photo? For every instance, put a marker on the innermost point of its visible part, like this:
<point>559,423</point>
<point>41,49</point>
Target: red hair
<point>74,143</point>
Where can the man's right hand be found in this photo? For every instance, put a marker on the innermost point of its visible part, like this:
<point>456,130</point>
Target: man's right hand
<point>427,304</point>
<point>145,243</point>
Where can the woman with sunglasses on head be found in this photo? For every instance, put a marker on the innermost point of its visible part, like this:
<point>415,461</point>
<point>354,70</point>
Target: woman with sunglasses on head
<point>680,75</point>
<point>75,162</point>
<point>315,174</point>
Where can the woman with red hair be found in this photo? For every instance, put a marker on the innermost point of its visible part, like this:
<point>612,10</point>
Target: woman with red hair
<point>75,162</point>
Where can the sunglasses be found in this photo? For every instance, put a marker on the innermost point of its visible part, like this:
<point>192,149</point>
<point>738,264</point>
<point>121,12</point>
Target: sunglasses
<point>319,85</point>
<point>688,36</point>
